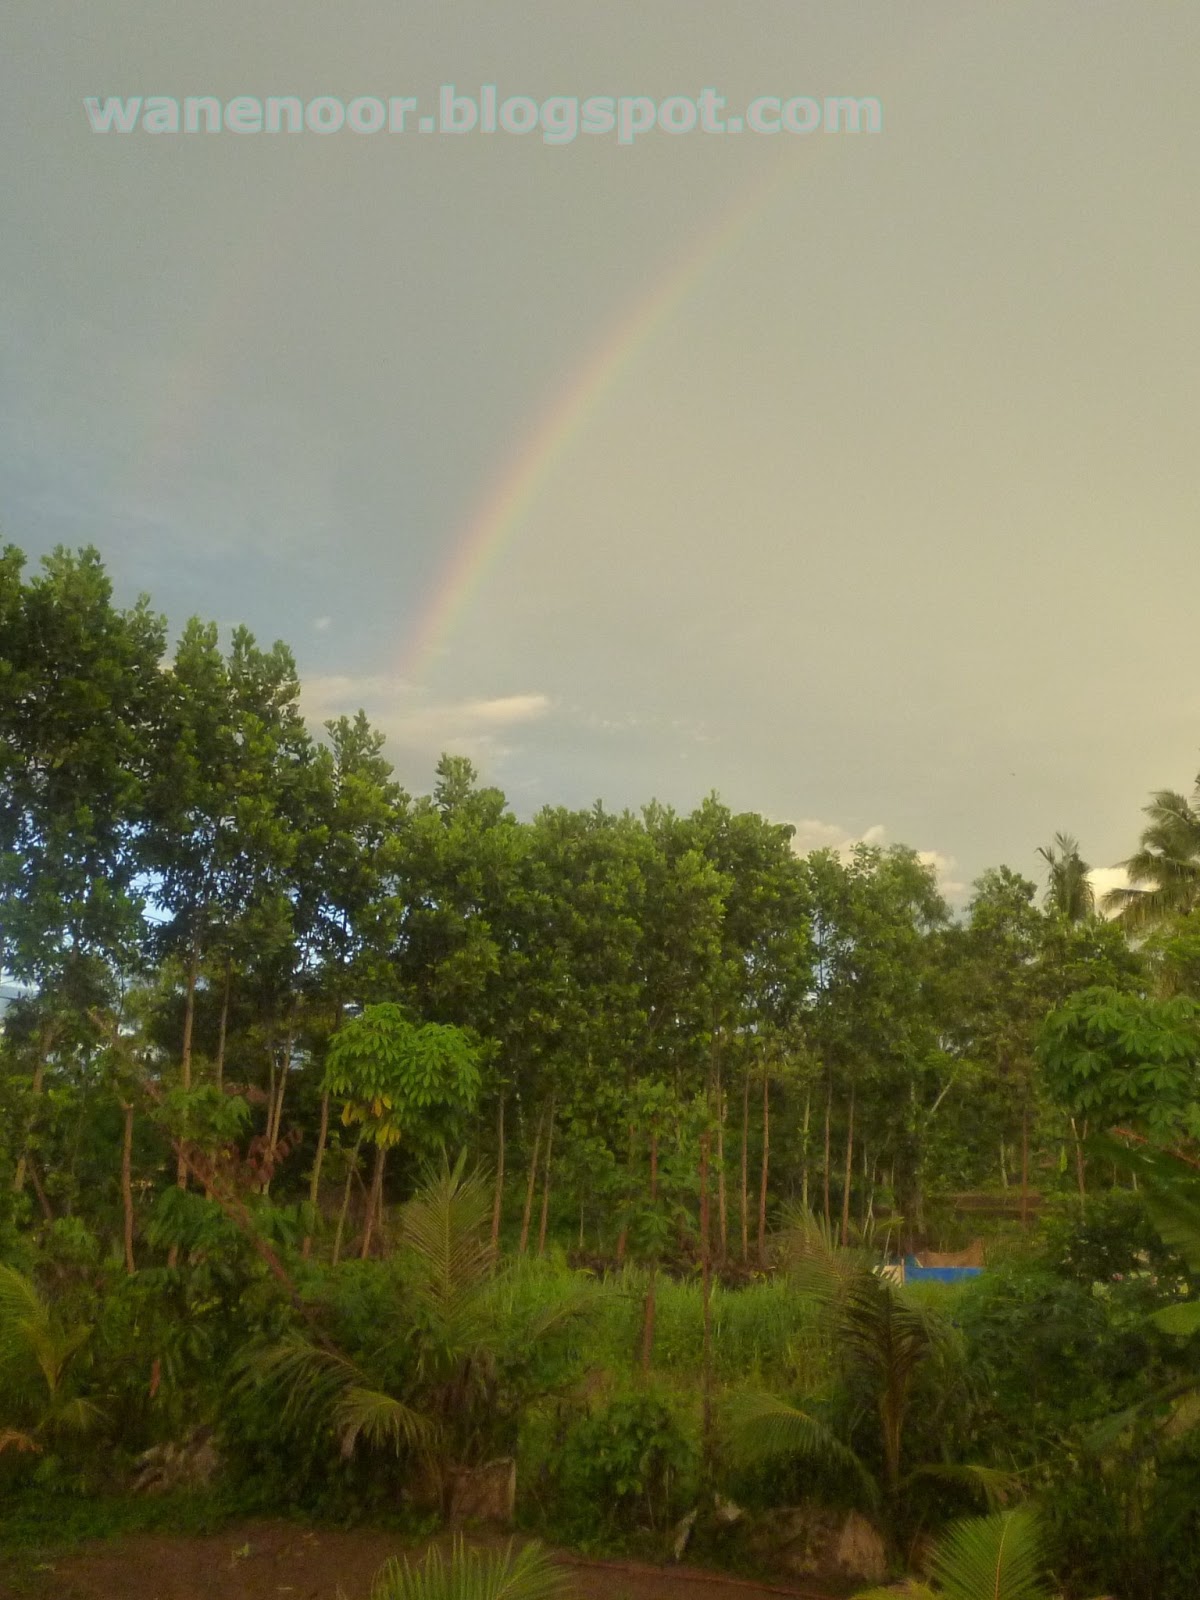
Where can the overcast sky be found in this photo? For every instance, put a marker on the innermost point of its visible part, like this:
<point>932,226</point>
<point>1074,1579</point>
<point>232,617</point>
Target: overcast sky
<point>856,476</point>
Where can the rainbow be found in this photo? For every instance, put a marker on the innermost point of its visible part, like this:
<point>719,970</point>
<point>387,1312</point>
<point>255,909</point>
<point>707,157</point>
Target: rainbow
<point>514,492</point>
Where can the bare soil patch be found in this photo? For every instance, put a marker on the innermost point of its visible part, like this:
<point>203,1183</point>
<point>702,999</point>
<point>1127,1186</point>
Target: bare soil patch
<point>282,1561</point>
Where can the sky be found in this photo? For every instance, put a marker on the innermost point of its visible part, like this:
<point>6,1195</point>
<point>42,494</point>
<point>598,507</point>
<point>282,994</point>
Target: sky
<point>853,476</point>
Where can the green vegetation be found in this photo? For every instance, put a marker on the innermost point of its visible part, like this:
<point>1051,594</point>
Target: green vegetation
<point>649,1100</point>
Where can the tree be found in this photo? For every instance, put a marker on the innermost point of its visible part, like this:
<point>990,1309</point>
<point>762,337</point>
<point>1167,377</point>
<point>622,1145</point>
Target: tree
<point>1164,871</point>
<point>398,1080</point>
<point>1069,891</point>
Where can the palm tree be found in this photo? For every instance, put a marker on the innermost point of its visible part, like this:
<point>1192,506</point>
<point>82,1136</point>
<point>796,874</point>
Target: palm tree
<point>465,1330</point>
<point>884,1342</point>
<point>1164,872</point>
<point>1069,892</point>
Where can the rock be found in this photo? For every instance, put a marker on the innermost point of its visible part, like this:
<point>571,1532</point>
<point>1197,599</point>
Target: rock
<point>683,1532</point>
<point>860,1550</point>
<point>484,1494</point>
<point>193,1463</point>
<point>725,1511</point>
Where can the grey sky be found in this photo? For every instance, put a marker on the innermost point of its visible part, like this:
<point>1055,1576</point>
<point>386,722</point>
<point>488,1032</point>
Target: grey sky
<point>886,522</point>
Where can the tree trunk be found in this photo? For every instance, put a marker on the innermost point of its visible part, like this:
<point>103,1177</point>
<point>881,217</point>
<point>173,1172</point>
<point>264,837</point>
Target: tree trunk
<point>828,1119</point>
<point>648,1318</point>
<point>45,1044</point>
<point>529,1187</point>
<point>1025,1165</point>
<point>706,1438</point>
<point>314,1187</point>
<point>341,1221</point>
<point>220,1062</point>
<point>498,1195</point>
<point>374,1202</point>
<point>36,1182</point>
<point>804,1148</point>
<point>546,1183</point>
<point>127,1183</point>
<point>745,1165</point>
<point>849,1173</point>
<point>314,1184</point>
<point>185,1063</point>
<point>1080,1166</point>
<point>765,1166</point>
<point>722,1198</point>
<point>1003,1169</point>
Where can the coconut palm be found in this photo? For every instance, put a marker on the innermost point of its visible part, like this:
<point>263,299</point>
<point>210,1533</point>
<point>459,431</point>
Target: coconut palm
<point>529,1574</point>
<point>1069,891</point>
<point>1164,871</point>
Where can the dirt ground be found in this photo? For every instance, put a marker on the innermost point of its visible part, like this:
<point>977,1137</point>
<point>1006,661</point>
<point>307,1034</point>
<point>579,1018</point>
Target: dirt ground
<point>278,1561</point>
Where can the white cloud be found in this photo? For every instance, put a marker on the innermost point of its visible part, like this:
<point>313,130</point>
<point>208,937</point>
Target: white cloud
<point>812,834</point>
<point>321,624</point>
<point>416,726</point>
<point>1102,879</point>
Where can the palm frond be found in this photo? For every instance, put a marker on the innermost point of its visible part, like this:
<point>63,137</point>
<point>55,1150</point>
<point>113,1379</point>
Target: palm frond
<point>379,1419</point>
<point>14,1439</point>
<point>472,1575</point>
<point>443,1227</point>
<point>994,1487</point>
<point>308,1381</point>
<point>761,1427</point>
<point>991,1558</point>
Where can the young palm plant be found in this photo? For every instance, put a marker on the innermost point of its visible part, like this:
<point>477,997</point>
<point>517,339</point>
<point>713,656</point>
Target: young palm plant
<point>527,1574</point>
<point>884,1343</point>
<point>36,1357</point>
<point>982,1558</point>
<point>458,1326</point>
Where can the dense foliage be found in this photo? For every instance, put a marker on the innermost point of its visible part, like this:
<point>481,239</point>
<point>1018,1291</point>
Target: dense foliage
<point>703,1085</point>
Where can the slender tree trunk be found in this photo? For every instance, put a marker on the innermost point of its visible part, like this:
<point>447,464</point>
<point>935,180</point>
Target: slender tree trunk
<point>745,1167</point>
<point>849,1173</point>
<point>804,1148</point>
<point>654,1165</point>
<point>765,1165</point>
<point>623,1236</point>
<point>45,1044</point>
<point>127,1183</point>
<point>546,1183</point>
<point>498,1194</point>
<point>223,1024</point>
<point>1003,1169</point>
<point>706,1433</point>
<point>529,1187</point>
<point>828,1120</point>
<point>1080,1166</point>
<point>648,1318</point>
<point>185,1063</point>
<point>341,1221</point>
<point>314,1186</point>
<point>1025,1165</point>
<point>374,1201</point>
<point>722,1197</point>
<point>36,1184</point>
<point>314,1183</point>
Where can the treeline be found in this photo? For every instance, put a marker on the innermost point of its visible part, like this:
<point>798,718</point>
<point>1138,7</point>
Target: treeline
<point>197,894</point>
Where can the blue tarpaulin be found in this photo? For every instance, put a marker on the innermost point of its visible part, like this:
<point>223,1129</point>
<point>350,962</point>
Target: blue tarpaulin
<point>915,1273</point>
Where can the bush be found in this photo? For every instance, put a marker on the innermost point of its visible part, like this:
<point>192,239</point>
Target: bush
<point>623,1473</point>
